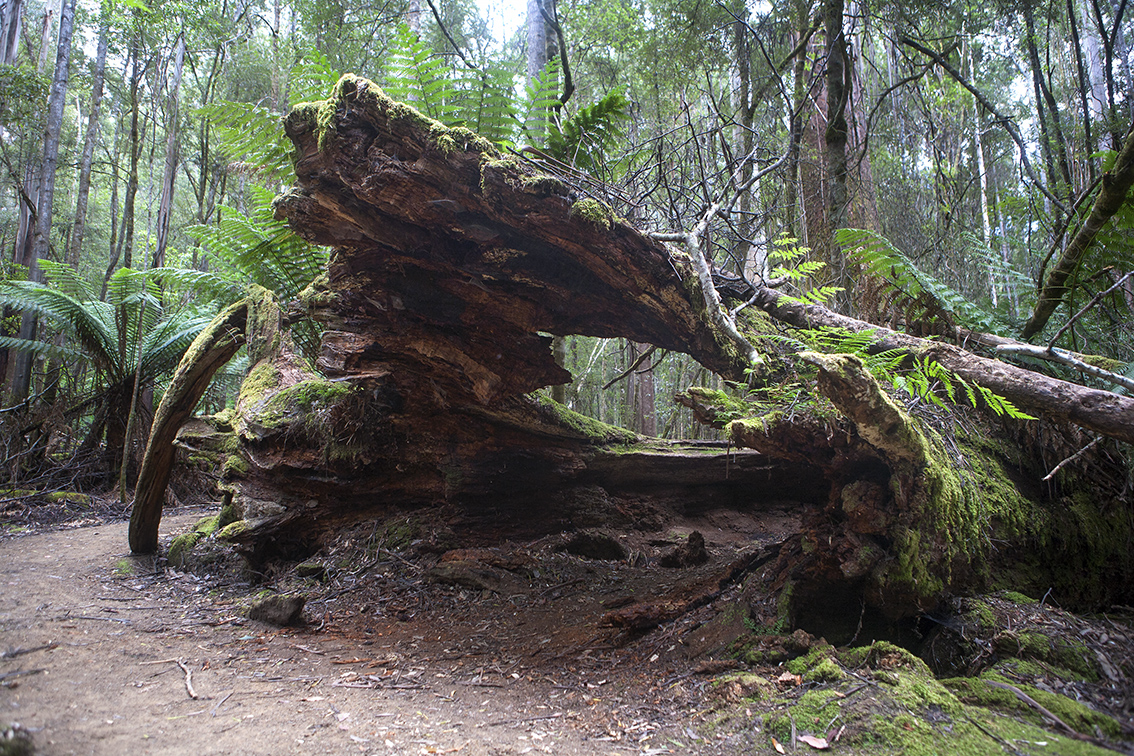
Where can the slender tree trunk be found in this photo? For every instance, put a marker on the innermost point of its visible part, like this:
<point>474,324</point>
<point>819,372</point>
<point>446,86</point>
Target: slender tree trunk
<point>127,240</point>
<point>1051,128</point>
<point>743,137</point>
<point>41,238</point>
<point>792,210</point>
<point>165,208</point>
<point>11,17</point>
<point>78,230</point>
<point>839,87</point>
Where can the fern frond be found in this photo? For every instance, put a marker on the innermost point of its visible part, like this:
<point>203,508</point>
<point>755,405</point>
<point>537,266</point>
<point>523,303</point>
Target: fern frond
<point>90,323</point>
<point>540,103</point>
<point>252,134</point>
<point>907,282</point>
<point>312,78</point>
<point>415,75</point>
<point>584,139</point>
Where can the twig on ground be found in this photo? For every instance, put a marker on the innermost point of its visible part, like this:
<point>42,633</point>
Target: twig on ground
<point>218,704</point>
<point>522,721</point>
<point>188,680</point>
<point>1068,730</point>
<point>21,651</point>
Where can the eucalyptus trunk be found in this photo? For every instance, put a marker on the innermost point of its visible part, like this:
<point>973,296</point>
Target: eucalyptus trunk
<point>41,237</point>
<point>78,229</point>
<point>168,184</point>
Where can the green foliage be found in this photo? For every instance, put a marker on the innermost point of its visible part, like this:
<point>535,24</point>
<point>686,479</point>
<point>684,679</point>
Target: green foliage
<point>106,333</point>
<point>795,267</point>
<point>252,134</point>
<point>919,377</point>
<point>24,92</point>
<point>540,103</point>
<point>418,77</point>
<point>254,248</point>
<point>908,285</point>
<point>311,78</point>
<point>584,139</point>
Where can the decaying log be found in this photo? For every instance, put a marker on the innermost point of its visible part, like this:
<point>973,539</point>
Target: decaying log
<point>453,264</point>
<point>1101,411</point>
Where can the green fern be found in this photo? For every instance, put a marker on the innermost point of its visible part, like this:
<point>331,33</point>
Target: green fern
<point>253,135</point>
<point>486,102</point>
<point>260,249</point>
<point>584,139</point>
<point>540,104</point>
<point>920,378</point>
<point>908,283</point>
<point>795,267</point>
<point>311,78</point>
<point>417,76</point>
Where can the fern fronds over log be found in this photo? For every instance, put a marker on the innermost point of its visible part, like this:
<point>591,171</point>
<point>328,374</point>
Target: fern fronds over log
<point>918,293</point>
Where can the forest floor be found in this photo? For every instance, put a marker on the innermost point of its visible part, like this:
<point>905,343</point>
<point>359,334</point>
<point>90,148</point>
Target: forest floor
<point>409,646</point>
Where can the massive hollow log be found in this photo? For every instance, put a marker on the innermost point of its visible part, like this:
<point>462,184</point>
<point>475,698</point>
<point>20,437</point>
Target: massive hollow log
<point>452,266</point>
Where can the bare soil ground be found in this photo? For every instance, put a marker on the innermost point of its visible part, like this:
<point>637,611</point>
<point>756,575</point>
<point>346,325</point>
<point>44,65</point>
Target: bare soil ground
<point>412,646</point>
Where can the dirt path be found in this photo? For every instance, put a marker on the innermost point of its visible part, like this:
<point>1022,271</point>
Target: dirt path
<point>107,687</point>
<point>109,682</point>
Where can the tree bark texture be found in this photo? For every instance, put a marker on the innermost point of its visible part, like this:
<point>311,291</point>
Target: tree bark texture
<point>212,348</point>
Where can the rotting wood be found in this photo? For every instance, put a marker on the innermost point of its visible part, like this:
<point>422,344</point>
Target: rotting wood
<point>451,265</point>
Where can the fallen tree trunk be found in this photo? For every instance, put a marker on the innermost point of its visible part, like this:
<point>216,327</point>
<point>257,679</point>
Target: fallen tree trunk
<point>1104,412</point>
<point>451,266</point>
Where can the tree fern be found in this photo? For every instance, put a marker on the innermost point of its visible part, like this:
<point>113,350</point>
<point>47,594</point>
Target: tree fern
<point>907,283</point>
<point>415,75</point>
<point>253,135</point>
<point>584,139</point>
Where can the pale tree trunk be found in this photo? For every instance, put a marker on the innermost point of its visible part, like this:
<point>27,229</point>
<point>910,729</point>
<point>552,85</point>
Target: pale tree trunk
<point>41,241</point>
<point>78,230</point>
<point>413,16</point>
<point>742,140</point>
<point>793,211</point>
<point>278,97</point>
<point>1093,52</point>
<point>982,174</point>
<point>10,22</point>
<point>538,52</point>
<point>124,249</point>
<point>127,240</point>
<point>165,208</point>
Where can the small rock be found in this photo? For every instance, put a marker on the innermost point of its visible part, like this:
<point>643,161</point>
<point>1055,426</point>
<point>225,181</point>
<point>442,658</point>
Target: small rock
<point>310,570</point>
<point>467,574</point>
<point>594,544</point>
<point>689,554</point>
<point>278,610</point>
